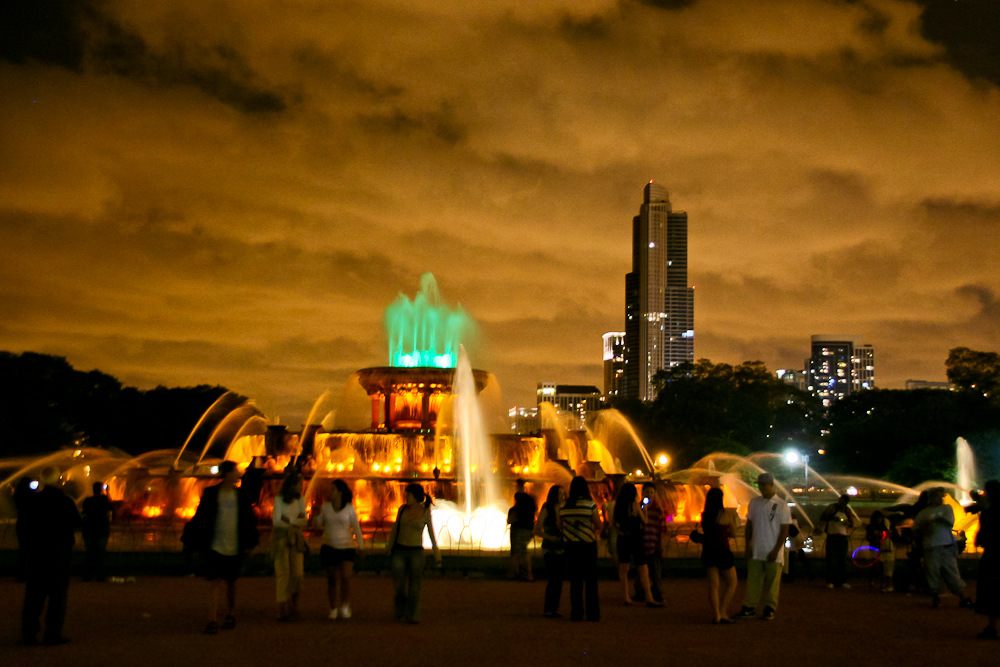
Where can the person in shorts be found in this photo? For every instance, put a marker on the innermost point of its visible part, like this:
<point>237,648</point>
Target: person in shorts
<point>342,541</point>
<point>224,528</point>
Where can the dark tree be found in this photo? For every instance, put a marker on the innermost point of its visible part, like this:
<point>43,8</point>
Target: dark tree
<point>703,407</point>
<point>46,405</point>
<point>974,371</point>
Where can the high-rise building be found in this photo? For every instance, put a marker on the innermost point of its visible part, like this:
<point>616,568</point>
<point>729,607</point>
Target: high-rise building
<point>659,305</point>
<point>839,366</point>
<point>614,362</point>
<point>574,399</point>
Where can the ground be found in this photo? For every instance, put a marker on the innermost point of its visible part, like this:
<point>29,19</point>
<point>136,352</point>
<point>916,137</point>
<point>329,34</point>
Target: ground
<point>158,621</point>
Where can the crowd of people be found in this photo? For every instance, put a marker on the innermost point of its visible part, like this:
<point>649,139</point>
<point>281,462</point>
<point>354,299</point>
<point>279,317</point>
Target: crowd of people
<point>569,524</point>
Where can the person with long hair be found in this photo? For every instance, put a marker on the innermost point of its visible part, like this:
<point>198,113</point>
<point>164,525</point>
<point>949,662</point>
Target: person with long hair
<point>580,524</point>
<point>406,546</point>
<point>988,538</point>
<point>628,525</point>
<point>342,543</point>
<point>288,544</point>
<point>718,525</point>
<point>553,550</point>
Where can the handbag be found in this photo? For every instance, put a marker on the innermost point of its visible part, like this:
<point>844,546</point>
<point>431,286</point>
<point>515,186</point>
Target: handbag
<point>697,537</point>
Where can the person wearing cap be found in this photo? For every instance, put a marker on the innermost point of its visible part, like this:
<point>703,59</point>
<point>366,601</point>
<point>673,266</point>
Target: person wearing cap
<point>224,528</point>
<point>768,519</point>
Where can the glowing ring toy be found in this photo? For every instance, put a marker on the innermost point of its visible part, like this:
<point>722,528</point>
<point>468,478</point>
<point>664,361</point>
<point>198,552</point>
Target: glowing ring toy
<point>865,563</point>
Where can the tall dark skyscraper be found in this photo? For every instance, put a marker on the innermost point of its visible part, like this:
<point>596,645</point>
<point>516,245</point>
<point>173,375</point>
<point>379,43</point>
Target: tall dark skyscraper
<point>659,305</point>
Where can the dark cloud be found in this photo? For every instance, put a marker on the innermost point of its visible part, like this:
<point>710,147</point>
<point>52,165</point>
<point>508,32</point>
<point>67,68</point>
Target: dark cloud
<point>47,31</point>
<point>442,123</point>
<point>968,29</point>
<point>77,34</point>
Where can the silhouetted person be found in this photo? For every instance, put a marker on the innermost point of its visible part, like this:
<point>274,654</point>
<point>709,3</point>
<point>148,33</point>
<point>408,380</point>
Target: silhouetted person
<point>224,528</point>
<point>96,531</point>
<point>547,528</point>
<point>22,496</point>
<point>988,538</point>
<point>580,524</point>
<point>839,524</point>
<point>521,518</point>
<point>51,521</point>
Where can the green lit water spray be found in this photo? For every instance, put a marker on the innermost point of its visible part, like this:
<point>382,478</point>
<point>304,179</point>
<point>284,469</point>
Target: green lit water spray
<point>425,332</point>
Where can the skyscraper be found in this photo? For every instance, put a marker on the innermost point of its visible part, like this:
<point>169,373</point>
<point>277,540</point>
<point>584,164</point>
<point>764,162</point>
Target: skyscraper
<point>659,305</point>
<point>839,366</point>
<point>614,362</point>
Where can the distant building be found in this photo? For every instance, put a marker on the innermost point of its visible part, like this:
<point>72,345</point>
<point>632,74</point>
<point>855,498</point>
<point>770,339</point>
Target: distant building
<point>928,384</point>
<point>524,420</point>
<point>578,399</point>
<point>839,366</point>
<point>798,379</point>
<point>614,362</point>
<point>659,305</point>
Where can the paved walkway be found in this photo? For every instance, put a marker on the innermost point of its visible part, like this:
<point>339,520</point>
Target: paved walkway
<point>158,621</point>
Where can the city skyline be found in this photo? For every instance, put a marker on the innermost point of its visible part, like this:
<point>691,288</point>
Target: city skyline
<point>233,193</point>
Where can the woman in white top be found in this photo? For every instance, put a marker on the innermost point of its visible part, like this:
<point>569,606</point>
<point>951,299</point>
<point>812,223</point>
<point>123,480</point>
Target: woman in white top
<point>339,520</point>
<point>288,545</point>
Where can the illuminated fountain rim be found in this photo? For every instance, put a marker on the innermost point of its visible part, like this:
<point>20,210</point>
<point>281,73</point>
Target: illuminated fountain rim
<point>383,379</point>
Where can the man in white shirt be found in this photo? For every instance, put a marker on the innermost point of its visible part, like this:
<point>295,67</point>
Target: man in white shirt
<point>768,519</point>
<point>934,524</point>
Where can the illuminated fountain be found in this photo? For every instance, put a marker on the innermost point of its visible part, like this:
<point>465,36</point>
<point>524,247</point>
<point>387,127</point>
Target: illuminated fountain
<point>425,418</point>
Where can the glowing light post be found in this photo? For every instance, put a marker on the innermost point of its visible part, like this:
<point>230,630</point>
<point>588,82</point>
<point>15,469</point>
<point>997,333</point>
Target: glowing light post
<point>793,457</point>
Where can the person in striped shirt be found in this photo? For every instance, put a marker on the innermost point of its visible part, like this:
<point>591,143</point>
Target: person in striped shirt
<point>580,524</point>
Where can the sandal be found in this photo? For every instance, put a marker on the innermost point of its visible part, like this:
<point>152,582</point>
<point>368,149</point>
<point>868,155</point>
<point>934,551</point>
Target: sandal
<point>229,623</point>
<point>212,628</point>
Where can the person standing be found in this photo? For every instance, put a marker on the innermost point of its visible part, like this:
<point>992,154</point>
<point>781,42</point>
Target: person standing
<point>718,524</point>
<point>288,544</point>
<point>988,539</point>
<point>96,531</point>
<point>547,528</point>
<point>342,543</point>
<point>934,524</point>
<point>878,534</point>
<point>406,547</point>
<point>580,524</point>
<point>51,521</point>
<point>521,518</point>
<point>653,523</point>
<point>24,493</point>
<point>839,524</point>
<point>768,519</point>
<point>224,529</point>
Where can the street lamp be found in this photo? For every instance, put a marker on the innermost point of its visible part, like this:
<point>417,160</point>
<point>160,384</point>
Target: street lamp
<point>793,457</point>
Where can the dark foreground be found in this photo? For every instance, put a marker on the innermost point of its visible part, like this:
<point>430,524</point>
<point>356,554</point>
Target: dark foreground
<point>158,621</point>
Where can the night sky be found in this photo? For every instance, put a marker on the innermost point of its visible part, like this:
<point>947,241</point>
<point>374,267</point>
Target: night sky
<point>232,192</point>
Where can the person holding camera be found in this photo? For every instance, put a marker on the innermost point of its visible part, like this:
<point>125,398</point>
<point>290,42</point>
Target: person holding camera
<point>839,524</point>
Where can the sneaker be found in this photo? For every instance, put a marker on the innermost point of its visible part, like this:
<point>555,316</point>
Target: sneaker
<point>212,628</point>
<point>967,603</point>
<point>847,586</point>
<point>829,585</point>
<point>747,612</point>
<point>768,614</point>
<point>935,602</point>
<point>888,589</point>
<point>345,611</point>
<point>229,623</point>
<point>332,615</point>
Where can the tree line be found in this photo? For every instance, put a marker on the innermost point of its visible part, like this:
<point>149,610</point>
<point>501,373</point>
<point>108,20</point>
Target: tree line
<point>904,436</point>
<point>47,405</point>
